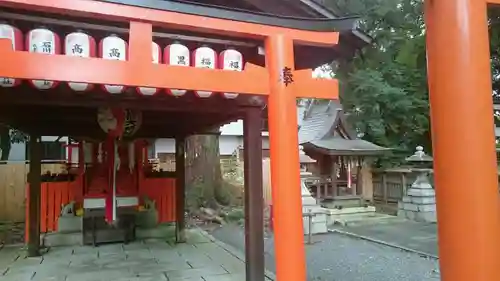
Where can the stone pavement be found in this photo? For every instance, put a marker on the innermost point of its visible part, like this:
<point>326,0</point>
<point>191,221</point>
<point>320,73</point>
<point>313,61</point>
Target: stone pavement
<point>416,236</point>
<point>201,259</point>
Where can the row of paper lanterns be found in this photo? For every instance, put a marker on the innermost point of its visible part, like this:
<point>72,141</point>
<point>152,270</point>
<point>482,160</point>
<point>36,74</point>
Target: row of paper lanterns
<point>79,43</point>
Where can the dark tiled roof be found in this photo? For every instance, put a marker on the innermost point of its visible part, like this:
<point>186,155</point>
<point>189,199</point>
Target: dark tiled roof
<point>324,127</point>
<point>317,120</point>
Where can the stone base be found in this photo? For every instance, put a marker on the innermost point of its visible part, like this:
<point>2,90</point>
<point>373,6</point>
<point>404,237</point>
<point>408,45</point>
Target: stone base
<point>419,205</point>
<point>344,202</point>
<point>318,222</point>
<point>57,239</point>
<point>69,224</point>
<point>418,216</point>
<point>165,232</point>
<point>346,215</point>
<point>147,219</point>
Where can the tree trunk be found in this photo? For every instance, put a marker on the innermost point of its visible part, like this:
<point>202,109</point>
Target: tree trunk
<point>5,143</point>
<point>203,172</point>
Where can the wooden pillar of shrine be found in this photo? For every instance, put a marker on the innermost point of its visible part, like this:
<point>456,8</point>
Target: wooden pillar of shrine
<point>34,195</point>
<point>464,164</point>
<point>254,196</point>
<point>180,189</point>
<point>285,166</point>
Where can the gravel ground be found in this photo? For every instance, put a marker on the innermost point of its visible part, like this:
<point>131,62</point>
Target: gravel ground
<point>334,257</point>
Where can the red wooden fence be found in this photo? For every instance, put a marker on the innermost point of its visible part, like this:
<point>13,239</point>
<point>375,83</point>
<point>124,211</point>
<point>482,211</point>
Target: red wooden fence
<point>162,192</point>
<point>56,194</point>
<point>53,196</point>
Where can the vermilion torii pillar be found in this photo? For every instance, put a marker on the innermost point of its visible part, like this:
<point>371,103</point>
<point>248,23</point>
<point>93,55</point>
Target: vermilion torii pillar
<point>285,167</point>
<point>463,140</point>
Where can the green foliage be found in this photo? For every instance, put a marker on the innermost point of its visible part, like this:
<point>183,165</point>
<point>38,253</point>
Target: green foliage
<point>494,32</point>
<point>7,137</point>
<point>17,136</point>
<point>384,88</point>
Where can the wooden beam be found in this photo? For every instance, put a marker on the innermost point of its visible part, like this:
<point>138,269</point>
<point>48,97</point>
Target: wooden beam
<point>254,202</point>
<point>180,189</point>
<point>125,72</point>
<point>63,97</point>
<point>34,195</point>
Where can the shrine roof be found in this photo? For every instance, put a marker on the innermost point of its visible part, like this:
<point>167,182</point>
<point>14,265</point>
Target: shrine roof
<point>341,146</point>
<point>298,14</point>
<point>324,128</point>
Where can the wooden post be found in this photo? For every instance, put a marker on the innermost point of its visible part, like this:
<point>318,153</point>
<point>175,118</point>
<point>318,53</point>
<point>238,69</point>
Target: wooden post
<point>34,190</point>
<point>335,187</point>
<point>180,189</point>
<point>318,190</point>
<point>285,166</point>
<point>384,187</point>
<point>403,182</point>
<point>254,197</point>
<point>465,165</point>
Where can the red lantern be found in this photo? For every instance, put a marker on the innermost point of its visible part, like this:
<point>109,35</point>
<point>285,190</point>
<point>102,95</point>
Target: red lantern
<point>79,44</point>
<point>156,60</point>
<point>232,60</point>
<point>113,48</point>
<point>16,37</point>
<point>176,54</point>
<point>43,41</point>
<point>204,57</point>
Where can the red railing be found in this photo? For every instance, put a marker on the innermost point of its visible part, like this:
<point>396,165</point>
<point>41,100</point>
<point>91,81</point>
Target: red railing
<point>56,194</point>
<point>53,196</point>
<point>162,192</point>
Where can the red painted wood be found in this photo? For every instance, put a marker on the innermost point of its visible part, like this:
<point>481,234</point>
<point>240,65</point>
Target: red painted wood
<point>56,194</point>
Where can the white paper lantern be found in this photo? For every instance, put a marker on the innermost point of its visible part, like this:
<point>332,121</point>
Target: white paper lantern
<point>156,58</point>
<point>204,57</point>
<point>177,54</point>
<point>43,41</point>
<point>79,44</point>
<point>113,48</point>
<point>16,37</point>
<point>109,121</point>
<point>232,60</point>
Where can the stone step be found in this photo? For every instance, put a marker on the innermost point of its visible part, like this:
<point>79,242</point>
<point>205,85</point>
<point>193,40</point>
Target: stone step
<point>360,218</point>
<point>352,210</point>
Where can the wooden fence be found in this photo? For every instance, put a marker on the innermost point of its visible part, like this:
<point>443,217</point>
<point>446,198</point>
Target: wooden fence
<point>389,186</point>
<point>13,179</point>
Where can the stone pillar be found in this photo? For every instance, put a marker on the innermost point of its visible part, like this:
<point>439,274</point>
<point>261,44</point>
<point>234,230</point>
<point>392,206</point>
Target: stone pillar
<point>419,203</point>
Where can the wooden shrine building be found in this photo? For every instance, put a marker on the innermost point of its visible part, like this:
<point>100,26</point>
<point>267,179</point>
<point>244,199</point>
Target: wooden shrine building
<point>112,75</point>
<point>327,137</point>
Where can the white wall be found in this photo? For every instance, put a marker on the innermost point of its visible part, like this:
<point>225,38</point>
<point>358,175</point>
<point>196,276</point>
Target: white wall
<point>227,144</point>
<point>18,150</point>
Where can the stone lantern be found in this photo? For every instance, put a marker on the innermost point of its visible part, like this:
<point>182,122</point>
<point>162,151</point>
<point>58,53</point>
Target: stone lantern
<point>419,203</point>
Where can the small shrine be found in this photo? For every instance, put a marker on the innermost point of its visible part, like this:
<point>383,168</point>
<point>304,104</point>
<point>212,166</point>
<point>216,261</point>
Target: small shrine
<point>112,75</point>
<point>327,138</point>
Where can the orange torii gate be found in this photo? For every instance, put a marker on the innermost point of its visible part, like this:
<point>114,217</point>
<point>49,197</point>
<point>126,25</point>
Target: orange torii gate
<point>459,79</point>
